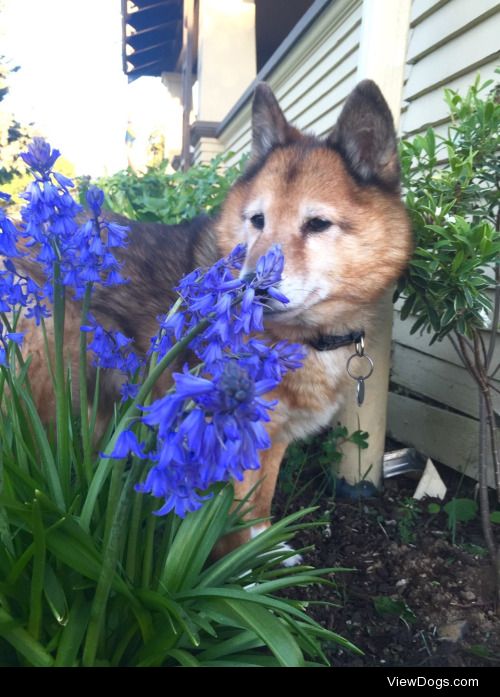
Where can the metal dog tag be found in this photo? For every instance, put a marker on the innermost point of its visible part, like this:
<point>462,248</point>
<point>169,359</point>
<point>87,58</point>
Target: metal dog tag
<point>360,379</point>
<point>360,391</point>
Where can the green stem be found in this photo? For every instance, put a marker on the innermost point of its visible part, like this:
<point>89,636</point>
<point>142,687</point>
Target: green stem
<point>34,653</point>
<point>37,580</point>
<point>114,495</point>
<point>147,562</point>
<point>108,570</point>
<point>95,403</point>
<point>48,357</point>
<point>82,383</point>
<point>133,539</point>
<point>62,414</point>
<point>136,518</point>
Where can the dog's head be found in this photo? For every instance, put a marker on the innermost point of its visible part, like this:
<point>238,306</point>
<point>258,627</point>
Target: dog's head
<point>332,204</point>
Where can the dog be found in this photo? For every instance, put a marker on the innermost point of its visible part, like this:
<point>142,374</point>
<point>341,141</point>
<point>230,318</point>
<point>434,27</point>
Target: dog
<point>334,206</point>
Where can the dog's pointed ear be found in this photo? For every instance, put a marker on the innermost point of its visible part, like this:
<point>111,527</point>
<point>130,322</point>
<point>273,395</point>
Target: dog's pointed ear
<point>270,128</point>
<point>365,137</point>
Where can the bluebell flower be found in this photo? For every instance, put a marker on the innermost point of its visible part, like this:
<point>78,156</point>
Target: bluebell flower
<point>16,337</point>
<point>112,349</point>
<point>95,199</point>
<point>129,391</point>
<point>64,182</point>
<point>16,290</point>
<point>126,444</point>
<point>5,338</point>
<point>8,237</point>
<point>116,234</point>
<point>40,157</point>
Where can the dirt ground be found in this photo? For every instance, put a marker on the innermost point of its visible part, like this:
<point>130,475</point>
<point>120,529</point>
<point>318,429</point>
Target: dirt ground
<point>415,596</point>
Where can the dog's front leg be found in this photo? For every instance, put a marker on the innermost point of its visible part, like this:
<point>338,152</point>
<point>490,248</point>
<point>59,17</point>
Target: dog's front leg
<point>262,483</point>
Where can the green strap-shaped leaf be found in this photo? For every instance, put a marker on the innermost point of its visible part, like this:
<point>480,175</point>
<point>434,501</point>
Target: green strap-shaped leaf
<point>273,632</point>
<point>73,633</point>
<point>55,595</point>
<point>194,540</point>
<point>23,642</point>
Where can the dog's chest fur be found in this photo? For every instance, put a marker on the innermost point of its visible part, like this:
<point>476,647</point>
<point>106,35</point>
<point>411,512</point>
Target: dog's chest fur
<point>310,397</point>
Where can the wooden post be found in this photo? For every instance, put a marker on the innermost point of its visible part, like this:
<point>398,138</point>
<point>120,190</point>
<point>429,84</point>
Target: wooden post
<point>187,80</point>
<point>382,57</point>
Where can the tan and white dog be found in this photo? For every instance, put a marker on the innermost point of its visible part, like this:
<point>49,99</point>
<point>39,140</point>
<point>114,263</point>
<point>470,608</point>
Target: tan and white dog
<point>334,206</point>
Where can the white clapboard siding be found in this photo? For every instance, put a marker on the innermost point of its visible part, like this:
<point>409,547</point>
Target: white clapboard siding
<point>441,349</point>
<point>427,375</point>
<point>206,149</point>
<point>313,80</point>
<point>431,110</point>
<point>451,20</point>
<point>421,9</point>
<point>450,42</point>
<point>442,435</point>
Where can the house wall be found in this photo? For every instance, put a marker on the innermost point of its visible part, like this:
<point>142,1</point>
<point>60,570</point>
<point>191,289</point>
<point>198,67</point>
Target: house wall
<point>314,79</point>
<point>434,403</point>
<point>450,42</point>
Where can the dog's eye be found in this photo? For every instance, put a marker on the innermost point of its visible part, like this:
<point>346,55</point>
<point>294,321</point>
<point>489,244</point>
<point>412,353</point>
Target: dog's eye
<point>316,225</point>
<point>258,221</point>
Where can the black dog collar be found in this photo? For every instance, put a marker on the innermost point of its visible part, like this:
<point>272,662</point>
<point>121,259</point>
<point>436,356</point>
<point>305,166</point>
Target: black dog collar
<point>329,342</point>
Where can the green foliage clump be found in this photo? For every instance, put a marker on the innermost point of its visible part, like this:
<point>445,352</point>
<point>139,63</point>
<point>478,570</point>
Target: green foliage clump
<point>451,187</point>
<point>170,197</point>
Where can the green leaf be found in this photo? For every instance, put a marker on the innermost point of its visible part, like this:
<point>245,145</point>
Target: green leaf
<point>73,633</point>
<point>55,596</point>
<point>37,579</point>
<point>385,605</point>
<point>173,610</point>
<point>430,142</point>
<point>407,307</point>
<point>45,453</point>
<point>108,572</point>
<point>34,653</point>
<point>244,557</point>
<point>184,658</point>
<point>194,541</point>
<point>433,508</point>
<point>457,261</point>
<point>254,597</point>
<point>360,439</point>
<point>243,641</point>
<point>495,517</point>
<point>271,630</point>
<point>461,510</point>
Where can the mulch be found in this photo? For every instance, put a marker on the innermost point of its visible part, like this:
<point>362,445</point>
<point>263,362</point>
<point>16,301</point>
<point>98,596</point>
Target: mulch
<point>414,595</point>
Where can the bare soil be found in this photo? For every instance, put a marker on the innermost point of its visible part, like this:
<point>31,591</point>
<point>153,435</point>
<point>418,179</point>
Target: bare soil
<point>415,596</point>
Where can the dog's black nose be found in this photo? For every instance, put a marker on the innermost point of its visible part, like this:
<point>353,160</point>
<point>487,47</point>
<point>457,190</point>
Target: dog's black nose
<point>249,277</point>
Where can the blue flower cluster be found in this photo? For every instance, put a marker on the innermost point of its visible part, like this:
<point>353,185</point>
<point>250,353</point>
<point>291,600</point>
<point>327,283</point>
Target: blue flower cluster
<point>82,251</point>
<point>211,426</point>
<point>112,349</point>
<point>16,291</point>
